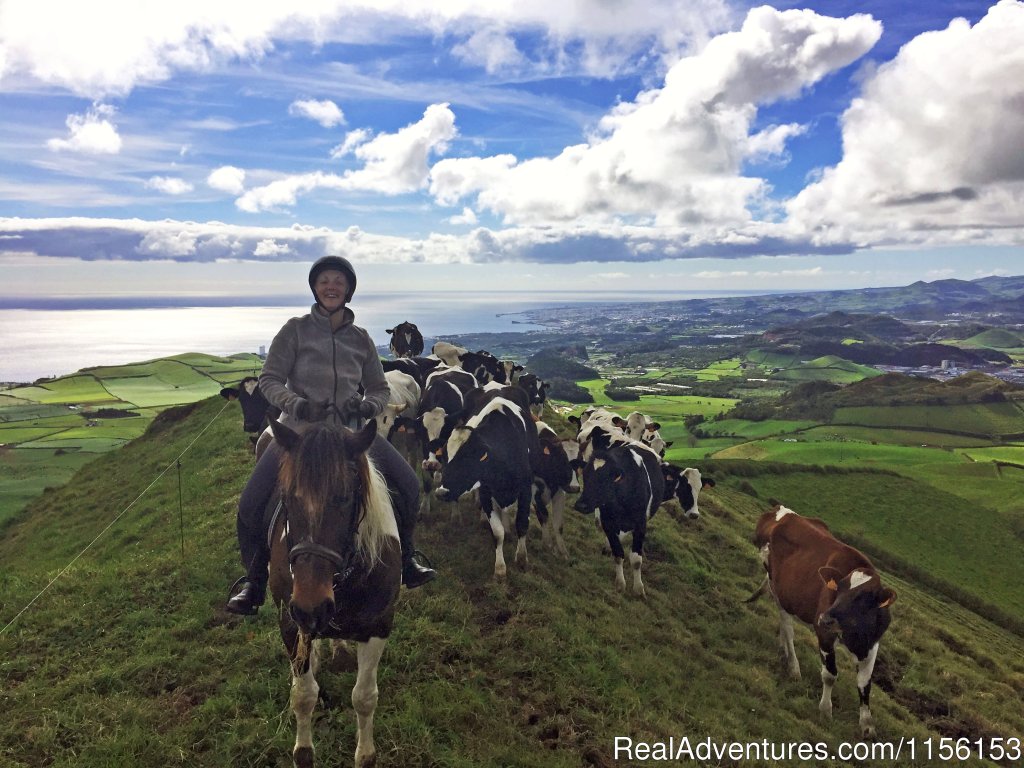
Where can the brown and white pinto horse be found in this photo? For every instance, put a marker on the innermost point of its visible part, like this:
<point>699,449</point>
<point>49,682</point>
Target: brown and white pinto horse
<point>335,568</point>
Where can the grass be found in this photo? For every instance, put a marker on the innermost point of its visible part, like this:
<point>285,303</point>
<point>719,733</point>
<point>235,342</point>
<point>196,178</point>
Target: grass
<point>128,660</point>
<point>985,420</point>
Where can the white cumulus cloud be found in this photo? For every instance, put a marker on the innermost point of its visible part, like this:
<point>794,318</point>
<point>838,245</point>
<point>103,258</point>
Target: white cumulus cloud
<point>169,185</point>
<point>675,155</point>
<point>92,133</point>
<point>325,112</point>
<point>393,164</point>
<point>932,147</point>
<point>228,179</point>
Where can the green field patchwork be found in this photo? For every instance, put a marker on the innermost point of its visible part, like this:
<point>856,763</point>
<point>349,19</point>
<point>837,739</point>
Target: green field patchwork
<point>983,419</point>
<point>755,429</point>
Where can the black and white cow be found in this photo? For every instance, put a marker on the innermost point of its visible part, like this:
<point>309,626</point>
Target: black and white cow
<point>484,366</point>
<point>256,411</point>
<point>496,448</point>
<point>553,478</point>
<point>442,403</point>
<point>406,340</point>
<point>685,485</point>
<point>536,390</point>
<point>624,483</point>
<point>418,367</point>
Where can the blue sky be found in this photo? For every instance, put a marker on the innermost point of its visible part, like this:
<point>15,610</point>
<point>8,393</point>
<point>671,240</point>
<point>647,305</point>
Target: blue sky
<point>217,148</point>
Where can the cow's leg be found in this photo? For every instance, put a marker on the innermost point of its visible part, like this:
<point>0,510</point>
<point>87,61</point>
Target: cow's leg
<point>829,672</point>
<point>523,521</point>
<point>556,520</point>
<point>540,499</point>
<point>615,543</point>
<point>493,517</point>
<point>636,559</point>
<point>364,699</point>
<point>304,694</point>
<point>865,668</point>
<point>786,641</point>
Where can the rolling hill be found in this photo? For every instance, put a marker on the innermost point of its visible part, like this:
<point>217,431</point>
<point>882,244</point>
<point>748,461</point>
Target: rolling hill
<point>127,659</point>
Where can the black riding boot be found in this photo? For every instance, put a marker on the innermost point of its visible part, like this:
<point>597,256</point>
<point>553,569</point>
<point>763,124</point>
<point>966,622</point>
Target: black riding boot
<point>250,597</point>
<point>413,574</point>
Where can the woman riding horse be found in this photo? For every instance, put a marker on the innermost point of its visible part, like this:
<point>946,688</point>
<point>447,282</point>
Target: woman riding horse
<point>313,372</point>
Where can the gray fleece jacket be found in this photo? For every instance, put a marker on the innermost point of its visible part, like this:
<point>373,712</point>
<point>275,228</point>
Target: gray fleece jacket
<point>307,361</point>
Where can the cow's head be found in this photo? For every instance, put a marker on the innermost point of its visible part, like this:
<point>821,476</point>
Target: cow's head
<point>255,407</point>
<point>603,480</point>
<point>859,612</point>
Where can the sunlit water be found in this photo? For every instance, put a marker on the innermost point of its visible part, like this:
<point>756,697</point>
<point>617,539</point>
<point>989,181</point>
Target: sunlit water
<point>36,343</point>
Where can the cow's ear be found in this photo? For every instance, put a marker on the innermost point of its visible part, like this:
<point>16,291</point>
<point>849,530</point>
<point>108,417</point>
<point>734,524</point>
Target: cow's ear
<point>287,438</point>
<point>668,444</point>
<point>708,482</point>
<point>886,598</point>
<point>389,330</point>
<point>618,421</point>
<point>830,577</point>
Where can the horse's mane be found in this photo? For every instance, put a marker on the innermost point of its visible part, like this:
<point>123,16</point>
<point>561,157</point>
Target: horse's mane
<point>311,473</point>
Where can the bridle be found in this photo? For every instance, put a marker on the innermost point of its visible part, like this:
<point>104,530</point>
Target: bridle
<point>342,561</point>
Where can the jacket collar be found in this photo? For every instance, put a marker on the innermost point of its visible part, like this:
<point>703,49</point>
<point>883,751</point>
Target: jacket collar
<point>347,317</point>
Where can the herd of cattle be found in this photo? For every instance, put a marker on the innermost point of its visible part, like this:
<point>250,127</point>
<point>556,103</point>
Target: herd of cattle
<point>468,421</point>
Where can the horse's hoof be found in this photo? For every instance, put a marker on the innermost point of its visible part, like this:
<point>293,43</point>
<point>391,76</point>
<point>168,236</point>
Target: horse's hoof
<point>303,757</point>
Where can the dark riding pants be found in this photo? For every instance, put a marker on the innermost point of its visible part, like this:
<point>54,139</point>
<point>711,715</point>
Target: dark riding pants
<point>403,487</point>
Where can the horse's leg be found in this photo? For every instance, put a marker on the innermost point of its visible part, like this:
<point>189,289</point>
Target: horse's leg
<point>364,699</point>
<point>305,691</point>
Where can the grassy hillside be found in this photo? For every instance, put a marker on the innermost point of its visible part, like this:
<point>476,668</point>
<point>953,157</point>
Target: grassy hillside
<point>827,368</point>
<point>48,430</point>
<point>128,660</point>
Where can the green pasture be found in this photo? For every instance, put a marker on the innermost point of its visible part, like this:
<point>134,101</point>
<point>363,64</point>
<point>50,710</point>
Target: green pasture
<point>1010,453</point>
<point>755,429</point>
<point>77,388</point>
<point>984,419</point>
<point>25,473</point>
<point>130,660</point>
<point>911,437</point>
<point>14,435</point>
<point>949,536</point>
<point>829,368</point>
<point>824,451</point>
<point>998,488</point>
<point>772,359</point>
<point>683,453</point>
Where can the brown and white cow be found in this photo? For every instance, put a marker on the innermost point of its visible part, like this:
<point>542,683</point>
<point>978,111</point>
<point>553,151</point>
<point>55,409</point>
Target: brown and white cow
<point>831,586</point>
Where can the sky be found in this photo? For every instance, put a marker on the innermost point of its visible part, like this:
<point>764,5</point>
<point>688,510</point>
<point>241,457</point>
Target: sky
<point>215,149</point>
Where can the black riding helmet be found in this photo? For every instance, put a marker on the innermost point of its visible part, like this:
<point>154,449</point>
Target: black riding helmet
<point>339,263</point>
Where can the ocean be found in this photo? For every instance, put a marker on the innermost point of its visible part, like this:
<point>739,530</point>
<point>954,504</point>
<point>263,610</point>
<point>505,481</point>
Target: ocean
<point>55,341</point>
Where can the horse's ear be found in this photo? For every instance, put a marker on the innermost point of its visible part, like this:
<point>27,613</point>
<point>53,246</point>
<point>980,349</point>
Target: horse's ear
<point>360,441</point>
<point>287,438</point>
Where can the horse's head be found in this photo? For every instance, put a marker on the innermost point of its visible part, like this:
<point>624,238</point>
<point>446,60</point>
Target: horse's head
<point>323,481</point>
